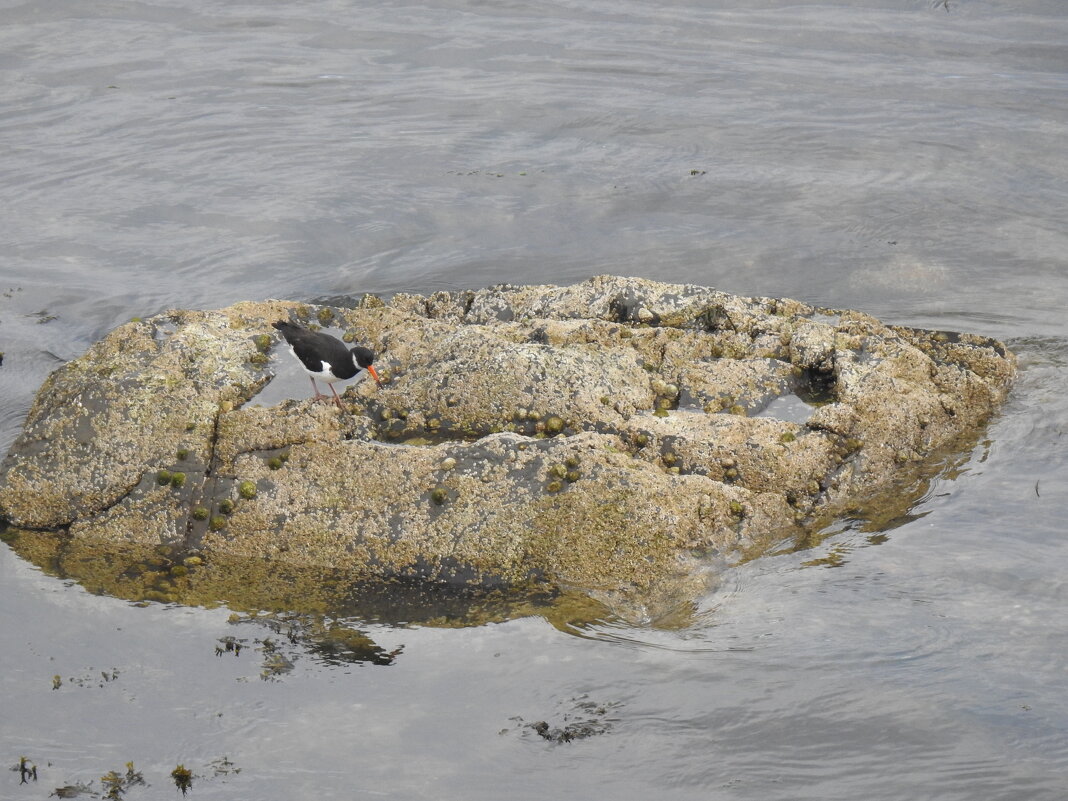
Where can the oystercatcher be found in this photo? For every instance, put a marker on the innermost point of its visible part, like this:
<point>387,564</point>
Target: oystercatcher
<point>326,357</point>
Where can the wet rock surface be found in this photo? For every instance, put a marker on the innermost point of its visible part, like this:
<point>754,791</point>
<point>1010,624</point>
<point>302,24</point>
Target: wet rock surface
<point>611,436</point>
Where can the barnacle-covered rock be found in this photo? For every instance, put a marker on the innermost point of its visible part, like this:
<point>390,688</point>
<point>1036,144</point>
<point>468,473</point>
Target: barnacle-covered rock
<point>608,436</point>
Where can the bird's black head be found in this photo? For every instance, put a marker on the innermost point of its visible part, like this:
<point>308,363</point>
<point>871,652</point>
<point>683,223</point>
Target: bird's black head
<point>364,358</point>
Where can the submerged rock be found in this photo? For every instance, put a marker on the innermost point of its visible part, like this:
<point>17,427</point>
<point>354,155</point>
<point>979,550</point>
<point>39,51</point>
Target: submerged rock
<point>610,436</point>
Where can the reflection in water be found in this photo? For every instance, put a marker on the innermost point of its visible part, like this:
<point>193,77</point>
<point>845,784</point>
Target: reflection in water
<point>316,611</point>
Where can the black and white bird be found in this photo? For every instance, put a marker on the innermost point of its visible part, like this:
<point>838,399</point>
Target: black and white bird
<point>326,358</point>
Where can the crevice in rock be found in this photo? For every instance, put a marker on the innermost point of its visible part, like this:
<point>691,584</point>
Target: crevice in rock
<point>468,302</point>
<point>715,318</point>
<point>816,387</point>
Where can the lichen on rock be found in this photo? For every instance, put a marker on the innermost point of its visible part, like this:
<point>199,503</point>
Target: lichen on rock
<point>608,436</point>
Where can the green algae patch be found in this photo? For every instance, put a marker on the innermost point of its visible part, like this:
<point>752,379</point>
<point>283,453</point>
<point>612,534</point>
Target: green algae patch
<point>183,778</point>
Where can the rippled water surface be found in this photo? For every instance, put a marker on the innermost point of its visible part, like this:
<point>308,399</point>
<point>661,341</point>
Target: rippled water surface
<point>903,157</point>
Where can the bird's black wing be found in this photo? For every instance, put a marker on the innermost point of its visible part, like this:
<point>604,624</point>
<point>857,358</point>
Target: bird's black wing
<point>313,348</point>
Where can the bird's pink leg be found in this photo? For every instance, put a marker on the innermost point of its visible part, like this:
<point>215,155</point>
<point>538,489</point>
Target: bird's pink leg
<point>337,400</point>
<point>315,389</point>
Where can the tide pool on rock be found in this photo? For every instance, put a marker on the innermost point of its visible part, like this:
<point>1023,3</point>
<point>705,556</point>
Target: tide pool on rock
<point>614,437</point>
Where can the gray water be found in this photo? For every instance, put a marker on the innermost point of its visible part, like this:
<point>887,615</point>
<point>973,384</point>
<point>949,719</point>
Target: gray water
<point>903,157</point>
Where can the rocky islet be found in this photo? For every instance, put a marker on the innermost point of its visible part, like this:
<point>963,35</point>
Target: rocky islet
<point>609,436</point>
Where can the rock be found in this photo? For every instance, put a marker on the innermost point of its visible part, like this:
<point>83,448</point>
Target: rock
<point>609,436</point>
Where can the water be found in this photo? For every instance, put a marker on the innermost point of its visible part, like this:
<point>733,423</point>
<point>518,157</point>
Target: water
<point>903,157</point>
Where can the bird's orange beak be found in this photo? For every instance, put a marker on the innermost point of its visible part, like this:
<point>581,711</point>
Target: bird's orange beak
<point>374,375</point>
